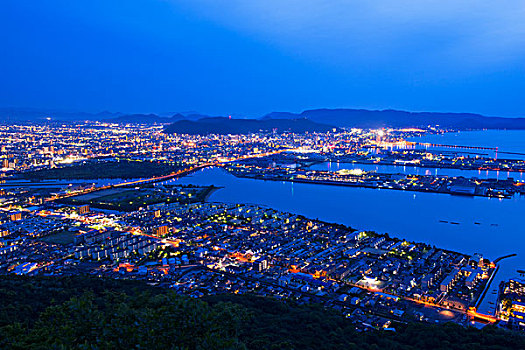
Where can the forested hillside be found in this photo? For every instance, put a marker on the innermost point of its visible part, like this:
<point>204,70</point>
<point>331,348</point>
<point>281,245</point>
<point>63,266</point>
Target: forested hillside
<point>89,313</point>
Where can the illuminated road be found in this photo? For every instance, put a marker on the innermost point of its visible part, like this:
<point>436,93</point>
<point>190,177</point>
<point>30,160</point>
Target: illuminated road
<point>178,173</point>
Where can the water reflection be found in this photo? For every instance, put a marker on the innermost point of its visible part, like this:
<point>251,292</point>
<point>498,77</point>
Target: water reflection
<point>412,170</point>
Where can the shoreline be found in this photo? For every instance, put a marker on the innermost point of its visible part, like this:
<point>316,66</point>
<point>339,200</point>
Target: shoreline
<point>423,166</point>
<point>347,184</point>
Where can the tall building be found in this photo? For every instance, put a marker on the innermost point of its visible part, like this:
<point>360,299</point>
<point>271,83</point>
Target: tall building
<point>15,216</point>
<point>83,209</point>
<point>260,264</point>
<point>160,231</point>
<point>517,286</point>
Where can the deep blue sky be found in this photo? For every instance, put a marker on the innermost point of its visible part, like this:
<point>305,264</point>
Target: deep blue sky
<point>252,57</point>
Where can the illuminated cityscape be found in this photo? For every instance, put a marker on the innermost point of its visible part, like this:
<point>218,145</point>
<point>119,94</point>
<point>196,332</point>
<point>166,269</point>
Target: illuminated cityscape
<point>100,199</point>
<point>261,175</point>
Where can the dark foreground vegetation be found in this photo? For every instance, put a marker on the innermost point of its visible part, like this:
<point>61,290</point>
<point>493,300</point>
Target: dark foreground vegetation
<point>122,169</point>
<point>89,313</point>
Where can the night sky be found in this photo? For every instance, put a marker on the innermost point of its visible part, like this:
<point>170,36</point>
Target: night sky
<point>247,57</point>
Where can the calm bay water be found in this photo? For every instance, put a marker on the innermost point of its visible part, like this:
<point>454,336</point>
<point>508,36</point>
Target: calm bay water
<point>512,141</point>
<point>492,227</point>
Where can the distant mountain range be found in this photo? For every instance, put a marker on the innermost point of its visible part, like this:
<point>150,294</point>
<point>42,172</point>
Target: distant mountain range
<point>221,125</point>
<point>308,120</point>
<point>10,115</point>
<point>35,115</point>
<point>362,118</point>
<point>153,118</point>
